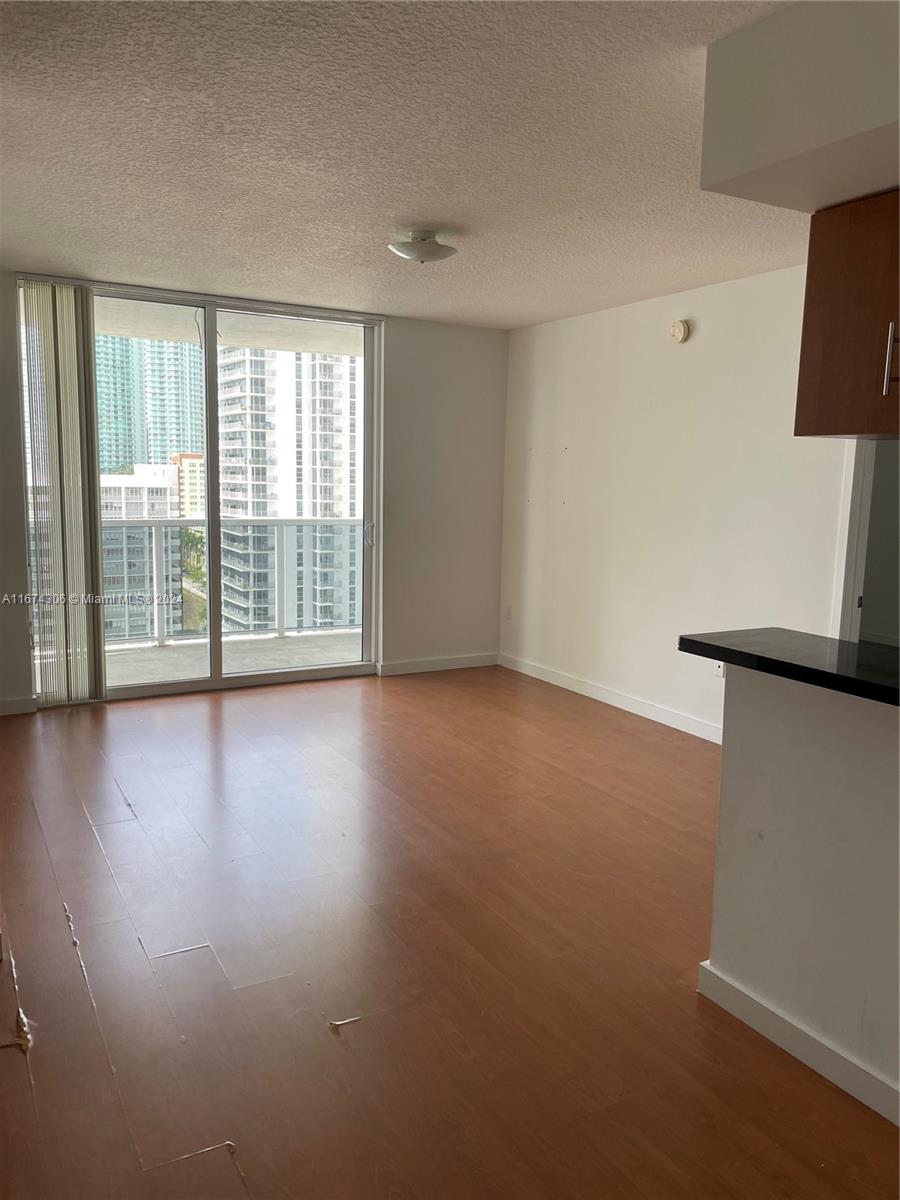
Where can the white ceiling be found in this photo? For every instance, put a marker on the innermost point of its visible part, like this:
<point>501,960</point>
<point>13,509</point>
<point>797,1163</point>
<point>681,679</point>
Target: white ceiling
<point>270,150</point>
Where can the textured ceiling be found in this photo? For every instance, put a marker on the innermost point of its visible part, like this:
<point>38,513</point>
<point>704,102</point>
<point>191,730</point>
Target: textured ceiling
<point>271,150</point>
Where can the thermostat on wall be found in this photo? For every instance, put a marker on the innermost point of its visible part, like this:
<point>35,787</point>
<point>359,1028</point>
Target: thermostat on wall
<point>681,331</point>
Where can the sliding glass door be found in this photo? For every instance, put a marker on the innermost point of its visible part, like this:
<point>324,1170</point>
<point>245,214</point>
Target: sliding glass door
<point>282,587</point>
<point>221,469</point>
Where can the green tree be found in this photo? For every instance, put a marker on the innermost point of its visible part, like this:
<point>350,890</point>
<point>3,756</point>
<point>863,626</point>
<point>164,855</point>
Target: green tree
<point>193,556</point>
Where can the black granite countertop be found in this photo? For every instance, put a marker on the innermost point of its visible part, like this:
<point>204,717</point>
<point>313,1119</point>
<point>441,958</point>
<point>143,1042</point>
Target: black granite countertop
<point>866,669</point>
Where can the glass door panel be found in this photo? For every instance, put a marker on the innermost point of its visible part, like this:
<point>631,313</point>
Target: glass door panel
<point>291,489</point>
<point>151,437</point>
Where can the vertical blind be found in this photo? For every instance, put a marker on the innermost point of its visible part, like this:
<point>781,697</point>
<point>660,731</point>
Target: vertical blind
<point>60,560</point>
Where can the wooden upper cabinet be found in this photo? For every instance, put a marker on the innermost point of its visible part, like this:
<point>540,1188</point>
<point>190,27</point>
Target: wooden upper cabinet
<point>849,355</point>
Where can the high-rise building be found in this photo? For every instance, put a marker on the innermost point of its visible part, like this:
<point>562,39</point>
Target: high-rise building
<point>121,407</point>
<point>328,473</point>
<point>191,484</point>
<point>247,486</point>
<point>288,442</point>
<point>173,373</point>
<point>134,555</point>
<point>149,400</point>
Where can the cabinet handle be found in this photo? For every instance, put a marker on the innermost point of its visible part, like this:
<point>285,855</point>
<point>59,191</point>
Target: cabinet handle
<point>887,360</point>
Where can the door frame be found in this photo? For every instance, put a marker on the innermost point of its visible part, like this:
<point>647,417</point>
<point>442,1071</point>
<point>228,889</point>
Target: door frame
<point>859,508</point>
<point>373,336</point>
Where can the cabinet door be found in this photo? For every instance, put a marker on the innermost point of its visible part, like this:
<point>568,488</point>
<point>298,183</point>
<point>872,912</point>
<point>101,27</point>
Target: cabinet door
<point>849,353</point>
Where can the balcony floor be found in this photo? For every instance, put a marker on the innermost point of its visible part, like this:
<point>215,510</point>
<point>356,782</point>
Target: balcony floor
<point>128,666</point>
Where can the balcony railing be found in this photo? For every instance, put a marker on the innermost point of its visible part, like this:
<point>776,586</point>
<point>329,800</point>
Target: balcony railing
<point>287,584</point>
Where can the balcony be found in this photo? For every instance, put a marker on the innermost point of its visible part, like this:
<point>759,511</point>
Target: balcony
<point>155,599</point>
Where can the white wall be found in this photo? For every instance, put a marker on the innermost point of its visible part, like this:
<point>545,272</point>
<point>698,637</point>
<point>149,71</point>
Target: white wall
<point>444,398</point>
<point>15,655</point>
<point>654,489</point>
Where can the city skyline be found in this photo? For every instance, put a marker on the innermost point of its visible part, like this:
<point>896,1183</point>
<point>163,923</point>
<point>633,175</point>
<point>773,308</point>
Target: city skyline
<point>289,447</point>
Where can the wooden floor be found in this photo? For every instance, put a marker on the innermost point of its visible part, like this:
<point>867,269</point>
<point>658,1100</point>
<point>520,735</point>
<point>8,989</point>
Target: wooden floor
<point>502,888</point>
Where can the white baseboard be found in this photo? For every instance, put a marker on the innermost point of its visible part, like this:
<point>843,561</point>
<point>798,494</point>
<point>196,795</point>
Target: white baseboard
<point>867,1085</point>
<point>643,708</point>
<point>20,704</point>
<point>410,666</point>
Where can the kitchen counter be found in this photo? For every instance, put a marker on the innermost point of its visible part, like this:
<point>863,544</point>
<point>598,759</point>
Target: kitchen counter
<point>865,669</point>
<point>804,937</point>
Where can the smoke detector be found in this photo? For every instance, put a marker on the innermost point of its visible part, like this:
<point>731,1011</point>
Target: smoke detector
<point>680,331</point>
<point>422,247</point>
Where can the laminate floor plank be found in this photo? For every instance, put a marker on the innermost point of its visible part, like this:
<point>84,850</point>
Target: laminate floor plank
<point>167,1112</point>
<point>22,1164</point>
<point>430,937</point>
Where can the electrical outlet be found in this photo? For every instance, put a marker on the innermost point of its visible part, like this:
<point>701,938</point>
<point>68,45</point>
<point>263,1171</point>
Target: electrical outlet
<point>507,616</point>
<point>719,668</point>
